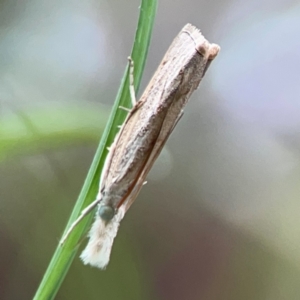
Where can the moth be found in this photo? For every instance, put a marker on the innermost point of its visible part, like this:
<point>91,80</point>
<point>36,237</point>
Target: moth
<point>142,136</point>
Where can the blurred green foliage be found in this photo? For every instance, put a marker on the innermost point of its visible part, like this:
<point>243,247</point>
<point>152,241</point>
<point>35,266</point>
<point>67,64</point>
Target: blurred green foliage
<point>45,129</point>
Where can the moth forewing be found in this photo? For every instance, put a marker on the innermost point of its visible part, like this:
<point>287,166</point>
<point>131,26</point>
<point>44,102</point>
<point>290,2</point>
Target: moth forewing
<point>175,111</point>
<point>97,253</point>
<point>143,135</point>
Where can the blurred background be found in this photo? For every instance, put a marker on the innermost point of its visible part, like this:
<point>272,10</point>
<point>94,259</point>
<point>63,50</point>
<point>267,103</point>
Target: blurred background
<point>219,217</point>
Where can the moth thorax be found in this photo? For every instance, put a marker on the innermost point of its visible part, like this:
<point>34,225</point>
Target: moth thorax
<point>106,212</point>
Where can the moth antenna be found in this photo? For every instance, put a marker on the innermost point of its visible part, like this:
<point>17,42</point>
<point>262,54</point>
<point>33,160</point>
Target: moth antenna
<point>85,212</point>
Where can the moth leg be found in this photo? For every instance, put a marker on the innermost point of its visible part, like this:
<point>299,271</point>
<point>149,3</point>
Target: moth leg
<point>131,86</point>
<point>131,81</point>
<point>125,108</point>
<point>85,212</point>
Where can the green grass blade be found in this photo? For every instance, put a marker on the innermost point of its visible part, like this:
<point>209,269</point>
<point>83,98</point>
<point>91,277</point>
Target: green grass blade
<point>63,256</point>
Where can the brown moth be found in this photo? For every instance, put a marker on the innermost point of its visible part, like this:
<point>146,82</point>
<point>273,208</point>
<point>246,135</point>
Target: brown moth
<point>142,136</point>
